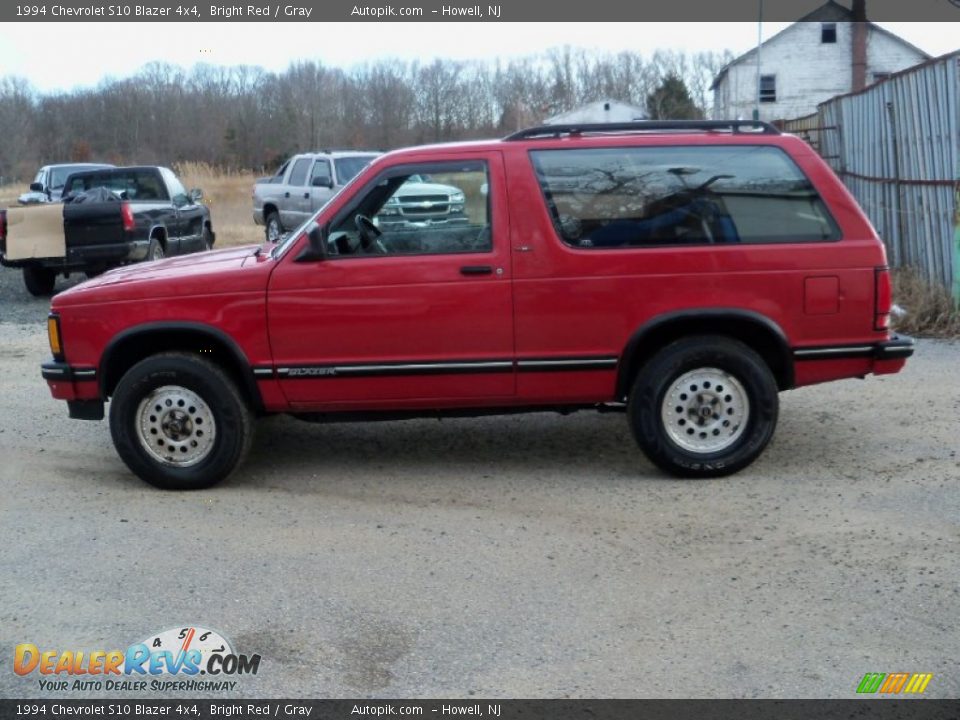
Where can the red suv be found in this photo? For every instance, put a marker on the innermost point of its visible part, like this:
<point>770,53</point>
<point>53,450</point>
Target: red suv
<point>684,272</point>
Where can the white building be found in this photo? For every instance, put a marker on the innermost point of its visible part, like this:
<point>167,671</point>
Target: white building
<point>810,61</point>
<point>602,111</point>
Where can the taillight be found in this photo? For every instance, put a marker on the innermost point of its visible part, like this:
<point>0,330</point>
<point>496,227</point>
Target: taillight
<point>883,298</point>
<point>126,212</point>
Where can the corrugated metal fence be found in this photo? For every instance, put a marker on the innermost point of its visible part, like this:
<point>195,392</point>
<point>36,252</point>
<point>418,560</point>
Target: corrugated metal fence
<point>896,145</point>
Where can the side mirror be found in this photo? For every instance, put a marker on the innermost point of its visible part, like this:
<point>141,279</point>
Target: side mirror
<point>36,187</point>
<point>196,195</point>
<point>316,245</point>
<point>322,181</point>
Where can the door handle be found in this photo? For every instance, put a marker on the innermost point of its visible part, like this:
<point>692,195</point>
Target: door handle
<point>306,196</point>
<point>476,270</point>
<point>286,194</point>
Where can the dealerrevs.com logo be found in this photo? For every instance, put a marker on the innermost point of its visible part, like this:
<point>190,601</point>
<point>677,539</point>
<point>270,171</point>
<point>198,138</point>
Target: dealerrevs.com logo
<point>171,660</point>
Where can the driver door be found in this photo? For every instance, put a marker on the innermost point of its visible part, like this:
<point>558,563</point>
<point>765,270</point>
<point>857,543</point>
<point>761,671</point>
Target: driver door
<point>422,318</point>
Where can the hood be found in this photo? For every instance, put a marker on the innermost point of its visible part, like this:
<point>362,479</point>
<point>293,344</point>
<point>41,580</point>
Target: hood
<point>216,271</point>
<point>33,198</point>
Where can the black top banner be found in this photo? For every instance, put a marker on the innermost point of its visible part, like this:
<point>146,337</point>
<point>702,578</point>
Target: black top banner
<point>460,11</point>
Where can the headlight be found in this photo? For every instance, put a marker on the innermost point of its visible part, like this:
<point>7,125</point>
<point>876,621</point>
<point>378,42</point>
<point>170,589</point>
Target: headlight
<point>457,197</point>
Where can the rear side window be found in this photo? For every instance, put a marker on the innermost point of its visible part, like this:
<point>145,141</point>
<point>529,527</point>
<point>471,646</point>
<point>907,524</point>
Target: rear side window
<point>650,196</point>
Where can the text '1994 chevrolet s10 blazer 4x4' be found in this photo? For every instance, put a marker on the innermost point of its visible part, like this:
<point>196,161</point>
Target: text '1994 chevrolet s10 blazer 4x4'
<point>683,272</point>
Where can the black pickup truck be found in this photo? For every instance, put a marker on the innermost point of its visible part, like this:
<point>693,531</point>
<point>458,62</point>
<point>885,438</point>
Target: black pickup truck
<point>109,217</point>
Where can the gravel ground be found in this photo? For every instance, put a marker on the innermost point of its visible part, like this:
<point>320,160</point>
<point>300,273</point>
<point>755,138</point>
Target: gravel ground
<point>527,556</point>
<point>19,306</point>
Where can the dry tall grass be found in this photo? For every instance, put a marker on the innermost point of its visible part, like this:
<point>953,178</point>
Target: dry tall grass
<point>229,197</point>
<point>929,309</point>
<point>9,194</point>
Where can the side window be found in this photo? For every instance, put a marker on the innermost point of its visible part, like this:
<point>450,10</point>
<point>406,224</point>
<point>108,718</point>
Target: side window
<point>278,175</point>
<point>298,176</point>
<point>320,175</point>
<point>636,197</point>
<point>404,213</point>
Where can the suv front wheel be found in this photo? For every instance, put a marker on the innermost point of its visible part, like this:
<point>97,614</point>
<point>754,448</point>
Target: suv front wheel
<point>179,422</point>
<point>704,406</point>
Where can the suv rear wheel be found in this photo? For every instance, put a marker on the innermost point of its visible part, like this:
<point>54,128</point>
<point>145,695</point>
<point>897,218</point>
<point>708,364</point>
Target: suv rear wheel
<point>179,422</point>
<point>704,406</point>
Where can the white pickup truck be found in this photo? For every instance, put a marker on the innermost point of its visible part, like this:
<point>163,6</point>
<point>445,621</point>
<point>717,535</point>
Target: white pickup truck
<point>301,186</point>
<point>306,182</point>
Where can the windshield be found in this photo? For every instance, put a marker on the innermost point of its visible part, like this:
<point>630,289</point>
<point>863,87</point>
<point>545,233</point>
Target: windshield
<point>348,167</point>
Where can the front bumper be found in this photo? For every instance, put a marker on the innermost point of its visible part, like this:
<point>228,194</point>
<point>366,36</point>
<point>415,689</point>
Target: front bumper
<point>78,386</point>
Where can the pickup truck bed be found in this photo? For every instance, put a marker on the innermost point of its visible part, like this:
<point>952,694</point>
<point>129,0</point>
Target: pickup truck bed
<point>109,217</point>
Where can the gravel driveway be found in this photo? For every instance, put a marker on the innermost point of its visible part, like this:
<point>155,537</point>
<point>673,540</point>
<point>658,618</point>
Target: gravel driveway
<point>526,556</point>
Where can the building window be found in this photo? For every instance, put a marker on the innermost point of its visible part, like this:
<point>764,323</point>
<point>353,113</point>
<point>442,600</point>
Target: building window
<point>768,88</point>
<point>828,32</point>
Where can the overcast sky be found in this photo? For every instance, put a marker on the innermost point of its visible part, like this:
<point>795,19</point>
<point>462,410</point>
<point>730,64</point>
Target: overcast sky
<point>63,56</point>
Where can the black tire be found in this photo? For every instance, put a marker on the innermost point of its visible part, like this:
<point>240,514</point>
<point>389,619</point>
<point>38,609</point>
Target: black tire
<point>163,378</point>
<point>207,238</point>
<point>273,229</point>
<point>40,281</point>
<point>155,251</point>
<point>699,360</point>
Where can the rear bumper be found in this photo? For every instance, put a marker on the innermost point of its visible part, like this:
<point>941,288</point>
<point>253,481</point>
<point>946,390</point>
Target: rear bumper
<point>897,347</point>
<point>825,363</point>
<point>86,256</point>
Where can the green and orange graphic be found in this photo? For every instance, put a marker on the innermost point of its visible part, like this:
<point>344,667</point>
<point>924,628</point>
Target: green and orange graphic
<point>894,683</point>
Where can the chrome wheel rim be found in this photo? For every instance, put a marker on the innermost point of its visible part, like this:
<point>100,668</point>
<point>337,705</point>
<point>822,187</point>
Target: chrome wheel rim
<point>157,253</point>
<point>175,426</point>
<point>705,411</point>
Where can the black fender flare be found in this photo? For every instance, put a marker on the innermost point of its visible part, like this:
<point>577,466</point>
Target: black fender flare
<point>710,320</point>
<point>193,328</point>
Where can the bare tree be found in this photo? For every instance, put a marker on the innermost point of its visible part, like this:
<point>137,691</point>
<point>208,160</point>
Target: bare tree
<point>247,117</point>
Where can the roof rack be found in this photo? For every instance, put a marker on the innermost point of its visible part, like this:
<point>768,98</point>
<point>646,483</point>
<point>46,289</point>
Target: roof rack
<point>733,126</point>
